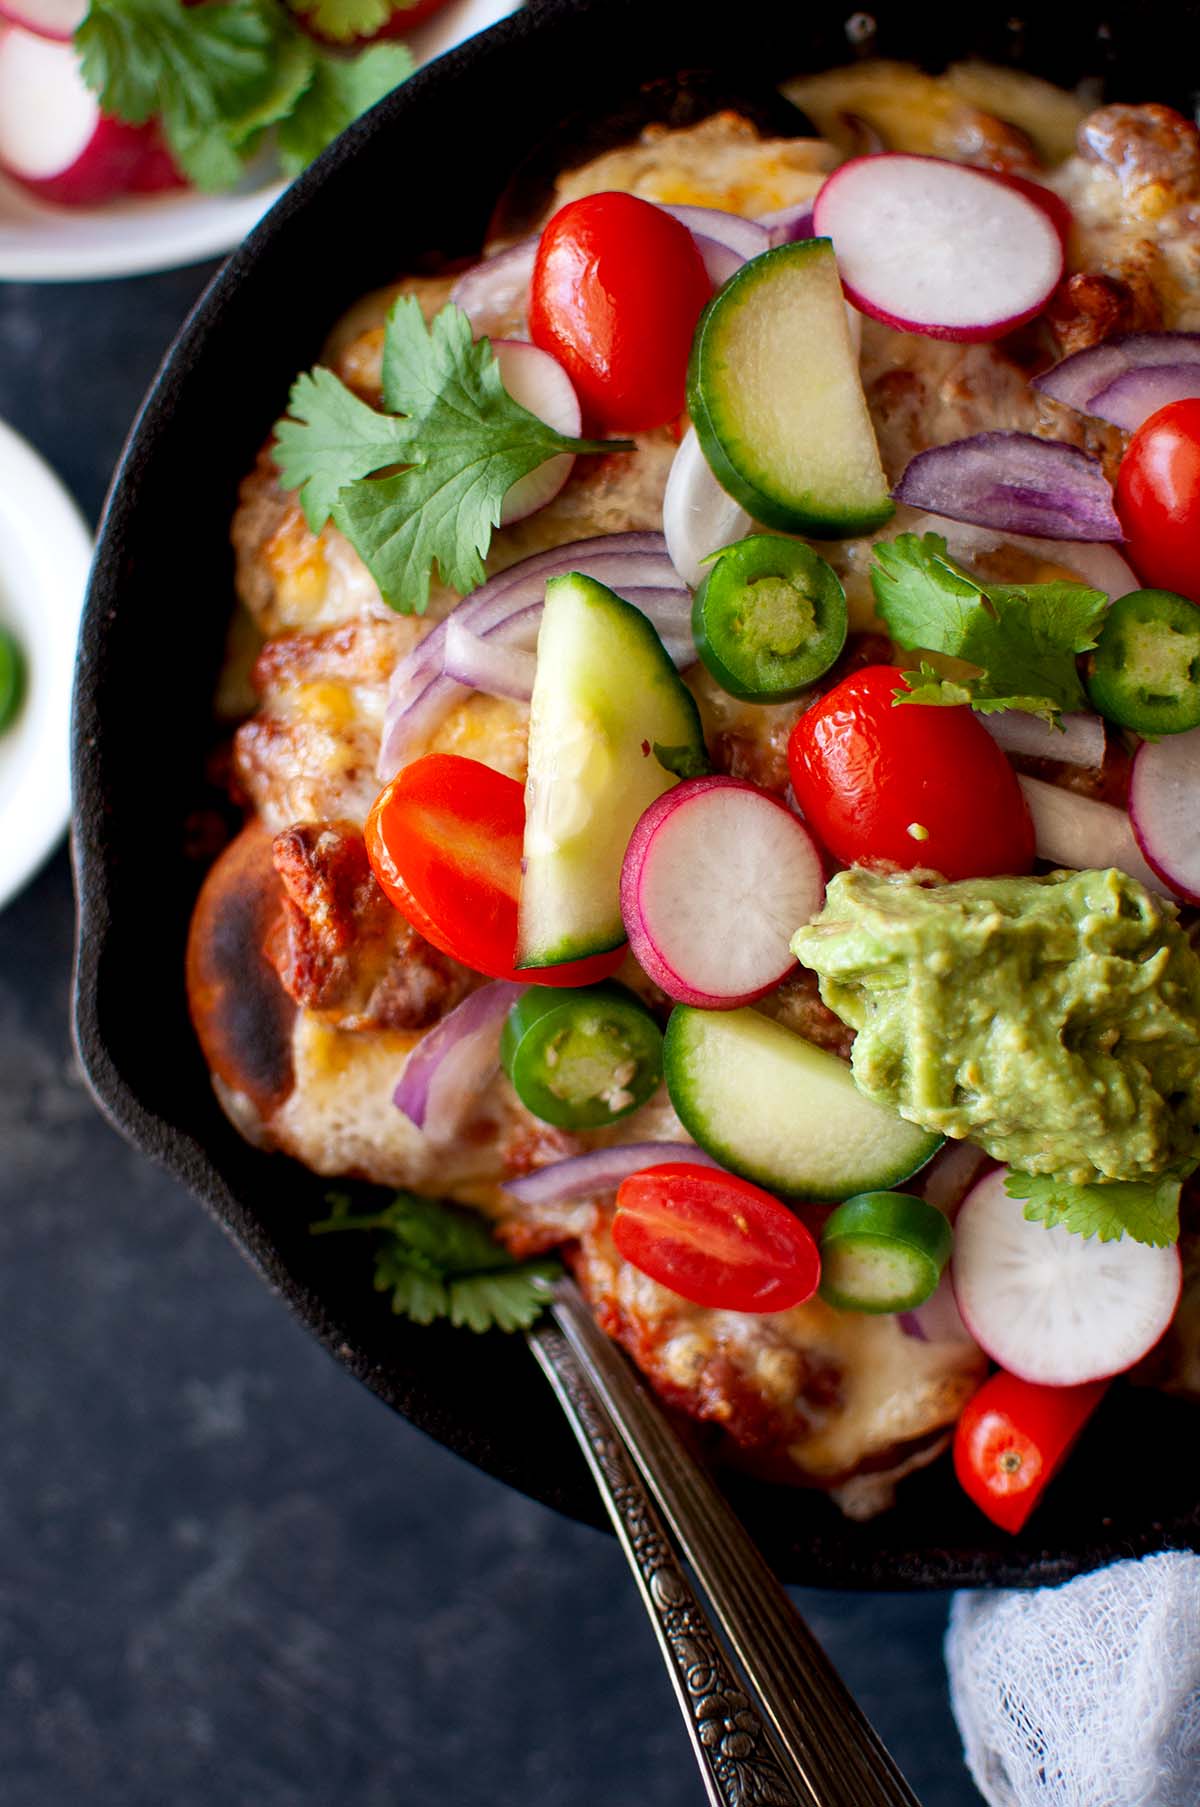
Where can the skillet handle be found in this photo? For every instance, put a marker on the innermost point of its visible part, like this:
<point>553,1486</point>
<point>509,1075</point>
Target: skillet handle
<point>812,1745</point>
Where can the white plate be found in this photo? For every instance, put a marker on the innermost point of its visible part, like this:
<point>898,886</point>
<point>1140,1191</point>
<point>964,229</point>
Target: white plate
<point>45,552</point>
<point>160,232</point>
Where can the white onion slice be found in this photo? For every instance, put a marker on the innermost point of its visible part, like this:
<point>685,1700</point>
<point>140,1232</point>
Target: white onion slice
<point>698,517</point>
<point>1079,741</point>
<point>1084,834</point>
<point>488,664</point>
<point>449,1067</point>
<point>538,382</point>
<point>600,1170</point>
<point>1164,805</point>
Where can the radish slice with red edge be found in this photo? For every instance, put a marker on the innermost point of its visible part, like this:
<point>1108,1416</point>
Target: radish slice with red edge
<point>600,1170</point>
<point>1164,807</point>
<point>933,247</point>
<point>449,1067</point>
<point>1015,483</point>
<point>1050,1306</point>
<point>717,878</point>
<point>539,382</point>
<point>55,19</point>
<point>1084,834</point>
<point>1131,398</point>
<point>54,140</point>
<point>1078,380</point>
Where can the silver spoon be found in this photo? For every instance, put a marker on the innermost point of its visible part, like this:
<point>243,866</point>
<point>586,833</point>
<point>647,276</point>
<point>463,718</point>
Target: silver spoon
<point>770,1720</point>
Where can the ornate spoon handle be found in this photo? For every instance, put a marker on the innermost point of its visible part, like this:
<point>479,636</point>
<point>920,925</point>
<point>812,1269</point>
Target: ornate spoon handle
<point>821,1750</point>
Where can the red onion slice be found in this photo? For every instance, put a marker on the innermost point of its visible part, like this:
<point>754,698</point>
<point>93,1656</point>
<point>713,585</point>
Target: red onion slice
<point>787,224</point>
<point>538,382</point>
<point>938,1320</point>
<point>1078,740</point>
<point>1164,804</point>
<point>488,664</point>
<point>1084,834</point>
<point>492,291</point>
<point>449,1067</point>
<point>1078,380</point>
<point>1015,483</point>
<point>600,1170</point>
<point>951,1174</point>
<point>747,237</point>
<point>1097,564</point>
<point>720,260</point>
<point>1135,395</point>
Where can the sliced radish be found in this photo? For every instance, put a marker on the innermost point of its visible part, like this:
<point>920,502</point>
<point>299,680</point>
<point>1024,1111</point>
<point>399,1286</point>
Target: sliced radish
<point>54,140</point>
<point>55,19</point>
<point>539,382</point>
<point>936,248</point>
<point>698,517</point>
<point>718,876</point>
<point>1164,807</point>
<point>1085,834</point>
<point>1050,1306</point>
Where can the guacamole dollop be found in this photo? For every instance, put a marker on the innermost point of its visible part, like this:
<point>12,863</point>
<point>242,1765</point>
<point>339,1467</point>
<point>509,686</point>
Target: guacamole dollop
<point>1054,1021</point>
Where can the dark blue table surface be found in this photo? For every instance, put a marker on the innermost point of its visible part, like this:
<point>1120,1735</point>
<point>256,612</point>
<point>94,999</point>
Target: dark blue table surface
<point>229,1577</point>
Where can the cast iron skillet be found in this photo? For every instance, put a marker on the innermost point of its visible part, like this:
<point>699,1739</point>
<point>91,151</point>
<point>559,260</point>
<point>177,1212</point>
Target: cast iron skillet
<point>418,179</point>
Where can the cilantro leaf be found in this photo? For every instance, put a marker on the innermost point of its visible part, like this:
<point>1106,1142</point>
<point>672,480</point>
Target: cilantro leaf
<point>1144,1210</point>
<point>329,439</point>
<point>463,440</point>
<point>1021,639</point>
<point>439,1261</point>
<point>338,93</point>
<point>344,20</point>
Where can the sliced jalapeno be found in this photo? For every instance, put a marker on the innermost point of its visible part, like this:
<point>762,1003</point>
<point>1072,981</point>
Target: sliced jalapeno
<point>581,1059</point>
<point>12,678</point>
<point>883,1251</point>
<point>1145,671</point>
<point>769,618</point>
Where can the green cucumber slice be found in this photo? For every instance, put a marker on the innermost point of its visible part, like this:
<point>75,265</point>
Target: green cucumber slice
<point>774,1108</point>
<point>883,1251</point>
<point>777,401</point>
<point>605,695</point>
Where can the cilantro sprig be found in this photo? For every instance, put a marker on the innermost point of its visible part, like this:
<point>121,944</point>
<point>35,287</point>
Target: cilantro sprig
<point>461,438</point>
<point>219,76</point>
<point>1144,1210</point>
<point>437,1260</point>
<point>1019,641</point>
<point>344,20</point>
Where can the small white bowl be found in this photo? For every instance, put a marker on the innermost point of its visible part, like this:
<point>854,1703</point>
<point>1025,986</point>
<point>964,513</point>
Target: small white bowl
<point>160,232</point>
<point>45,552</point>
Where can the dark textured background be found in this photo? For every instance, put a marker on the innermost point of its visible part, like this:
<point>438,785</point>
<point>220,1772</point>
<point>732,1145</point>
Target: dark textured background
<point>228,1576</point>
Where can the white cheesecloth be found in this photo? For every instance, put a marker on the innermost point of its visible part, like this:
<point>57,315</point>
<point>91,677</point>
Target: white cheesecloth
<point>1086,1695</point>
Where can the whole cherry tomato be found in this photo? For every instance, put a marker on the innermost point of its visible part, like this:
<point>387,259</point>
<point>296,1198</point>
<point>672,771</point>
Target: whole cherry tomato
<point>1158,499</point>
<point>444,840</point>
<point>1012,1438</point>
<point>714,1239</point>
<point>617,289</point>
<point>907,784</point>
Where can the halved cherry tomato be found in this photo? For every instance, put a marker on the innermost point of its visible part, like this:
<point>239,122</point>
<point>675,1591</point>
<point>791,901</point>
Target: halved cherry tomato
<point>1158,499</point>
<point>617,289</point>
<point>1013,1437</point>
<point>714,1239</point>
<point>444,840</point>
<point>907,784</point>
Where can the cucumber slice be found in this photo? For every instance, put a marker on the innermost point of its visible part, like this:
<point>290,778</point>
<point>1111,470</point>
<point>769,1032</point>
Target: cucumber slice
<point>883,1251</point>
<point>605,695</point>
<point>772,1107</point>
<point>777,402</point>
